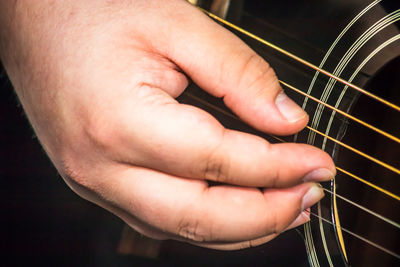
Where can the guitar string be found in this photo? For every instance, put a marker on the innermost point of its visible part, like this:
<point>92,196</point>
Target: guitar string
<point>298,59</point>
<point>317,117</point>
<point>338,38</point>
<point>386,192</point>
<point>353,118</point>
<point>373,128</point>
<point>365,61</point>
<point>341,197</point>
<point>396,139</point>
<point>357,236</point>
<point>342,113</point>
<point>377,161</point>
<point>341,66</point>
<point>377,215</point>
<point>383,164</point>
<point>382,190</point>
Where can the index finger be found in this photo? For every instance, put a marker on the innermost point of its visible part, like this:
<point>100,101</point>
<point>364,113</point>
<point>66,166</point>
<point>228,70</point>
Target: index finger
<point>188,142</point>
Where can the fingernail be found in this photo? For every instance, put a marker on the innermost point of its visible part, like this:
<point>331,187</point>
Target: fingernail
<point>313,195</point>
<point>288,108</point>
<point>319,175</point>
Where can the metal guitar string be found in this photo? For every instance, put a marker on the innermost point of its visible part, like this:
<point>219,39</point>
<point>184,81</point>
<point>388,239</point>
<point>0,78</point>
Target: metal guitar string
<point>377,215</point>
<point>383,164</point>
<point>342,113</point>
<point>387,166</point>
<point>377,161</point>
<point>361,65</point>
<point>357,236</point>
<point>384,191</point>
<point>304,62</point>
<point>348,84</point>
<point>338,38</point>
<point>327,91</point>
<point>341,197</point>
<point>341,66</point>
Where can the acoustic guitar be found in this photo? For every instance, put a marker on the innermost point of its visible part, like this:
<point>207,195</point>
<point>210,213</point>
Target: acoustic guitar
<point>340,60</point>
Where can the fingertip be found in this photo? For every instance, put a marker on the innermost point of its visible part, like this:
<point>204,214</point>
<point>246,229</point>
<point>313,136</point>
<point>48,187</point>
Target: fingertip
<point>277,114</point>
<point>321,174</point>
<point>289,109</point>
<point>303,218</point>
<point>281,116</point>
<point>321,166</point>
<point>314,194</point>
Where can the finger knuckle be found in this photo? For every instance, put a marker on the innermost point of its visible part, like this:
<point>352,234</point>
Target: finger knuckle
<point>215,169</point>
<point>191,228</point>
<point>254,243</point>
<point>73,175</point>
<point>245,244</point>
<point>275,174</point>
<point>274,179</point>
<point>273,223</point>
<point>102,134</point>
<point>276,225</point>
<point>255,71</point>
<point>217,165</point>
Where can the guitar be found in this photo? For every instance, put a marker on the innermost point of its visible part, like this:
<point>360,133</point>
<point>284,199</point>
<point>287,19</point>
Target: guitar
<point>355,40</point>
<point>357,223</point>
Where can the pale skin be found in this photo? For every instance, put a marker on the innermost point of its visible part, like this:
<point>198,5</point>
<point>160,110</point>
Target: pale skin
<point>98,82</point>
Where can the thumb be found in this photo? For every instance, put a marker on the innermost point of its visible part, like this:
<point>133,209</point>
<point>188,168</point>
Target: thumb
<point>226,67</point>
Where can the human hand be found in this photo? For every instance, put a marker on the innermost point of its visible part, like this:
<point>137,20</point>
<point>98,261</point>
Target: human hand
<point>98,81</point>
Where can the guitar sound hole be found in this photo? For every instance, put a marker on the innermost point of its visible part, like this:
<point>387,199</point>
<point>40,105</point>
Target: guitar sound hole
<point>386,84</point>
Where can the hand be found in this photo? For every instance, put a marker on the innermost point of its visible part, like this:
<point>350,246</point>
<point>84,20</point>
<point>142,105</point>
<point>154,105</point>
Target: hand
<point>98,81</point>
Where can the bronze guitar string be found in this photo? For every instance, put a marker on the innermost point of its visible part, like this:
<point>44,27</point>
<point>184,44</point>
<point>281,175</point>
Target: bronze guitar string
<point>339,196</point>
<point>382,190</point>
<point>383,164</point>
<point>298,59</point>
<point>377,161</point>
<point>343,113</point>
<point>377,215</point>
<point>357,236</point>
<point>306,63</point>
<point>386,192</point>
<point>387,166</point>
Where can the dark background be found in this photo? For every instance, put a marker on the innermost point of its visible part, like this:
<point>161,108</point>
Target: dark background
<point>41,218</point>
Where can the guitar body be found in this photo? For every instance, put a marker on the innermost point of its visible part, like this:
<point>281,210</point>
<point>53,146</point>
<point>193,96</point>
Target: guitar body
<point>358,41</point>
